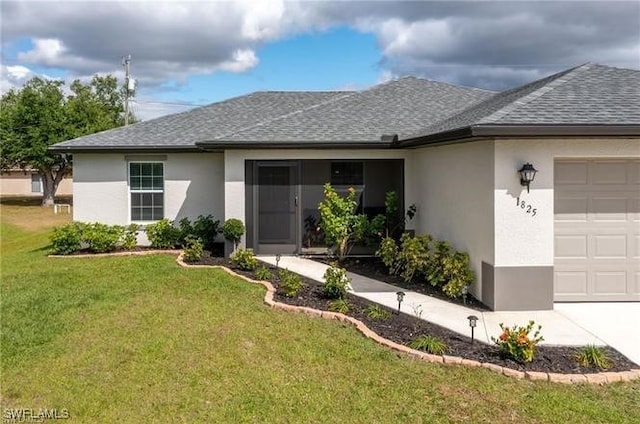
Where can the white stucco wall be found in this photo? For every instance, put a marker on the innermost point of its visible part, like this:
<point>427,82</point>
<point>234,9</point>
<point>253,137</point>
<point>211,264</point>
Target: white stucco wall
<point>454,192</point>
<point>193,186</point>
<point>523,239</point>
<point>234,170</point>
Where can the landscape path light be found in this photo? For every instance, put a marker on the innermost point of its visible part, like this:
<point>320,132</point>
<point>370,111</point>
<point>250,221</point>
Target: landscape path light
<point>473,321</point>
<point>400,298</point>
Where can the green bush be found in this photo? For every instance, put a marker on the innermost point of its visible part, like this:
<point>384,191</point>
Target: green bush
<point>102,238</point>
<point>263,274</point>
<point>193,249</point>
<point>291,284</point>
<point>67,239</point>
<point>593,356</point>
<point>429,344</point>
<point>377,312</point>
<point>339,305</point>
<point>233,230</point>
<point>130,237</point>
<point>163,235</point>
<point>335,283</point>
<point>186,231</point>
<point>516,343</point>
<point>413,255</point>
<point>206,228</point>
<point>388,253</point>
<point>244,259</point>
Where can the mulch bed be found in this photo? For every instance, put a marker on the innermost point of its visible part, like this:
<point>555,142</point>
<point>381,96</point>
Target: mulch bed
<point>403,328</point>
<point>373,267</point>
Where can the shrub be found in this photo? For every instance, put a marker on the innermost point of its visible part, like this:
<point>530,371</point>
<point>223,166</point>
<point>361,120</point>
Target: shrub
<point>593,356</point>
<point>335,283</point>
<point>67,239</point>
<point>244,259</point>
<point>193,249</point>
<point>290,283</point>
<point>339,305</point>
<point>163,235</point>
<point>388,253</point>
<point>377,312</point>
<point>233,230</point>
<point>516,343</point>
<point>413,255</point>
<point>206,228</point>
<point>186,231</point>
<point>130,237</point>
<point>458,273</point>
<point>429,344</point>
<point>263,274</point>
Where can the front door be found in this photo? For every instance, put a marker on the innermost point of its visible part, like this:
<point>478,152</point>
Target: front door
<point>276,200</point>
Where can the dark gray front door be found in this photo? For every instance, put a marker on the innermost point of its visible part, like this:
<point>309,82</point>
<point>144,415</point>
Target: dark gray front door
<point>276,191</point>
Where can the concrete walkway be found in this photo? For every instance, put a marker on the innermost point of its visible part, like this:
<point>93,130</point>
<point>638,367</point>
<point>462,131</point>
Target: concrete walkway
<point>574,324</point>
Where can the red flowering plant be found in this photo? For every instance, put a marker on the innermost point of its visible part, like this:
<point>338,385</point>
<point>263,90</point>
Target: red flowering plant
<point>516,343</point>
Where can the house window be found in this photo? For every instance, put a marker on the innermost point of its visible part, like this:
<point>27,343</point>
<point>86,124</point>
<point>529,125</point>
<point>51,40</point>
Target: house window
<point>146,187</point>
<point>347,174</point>
<point>36,183</point>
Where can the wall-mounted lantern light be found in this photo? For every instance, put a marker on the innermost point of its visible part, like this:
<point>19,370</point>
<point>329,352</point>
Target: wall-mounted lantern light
<point>400,297</point>
<point>473,321</point>
<point>527,174</point>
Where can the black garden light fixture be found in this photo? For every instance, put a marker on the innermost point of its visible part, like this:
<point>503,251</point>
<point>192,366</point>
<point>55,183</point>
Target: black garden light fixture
<point>473,321</point>
<point>527,174</point>
<point>400,297</point>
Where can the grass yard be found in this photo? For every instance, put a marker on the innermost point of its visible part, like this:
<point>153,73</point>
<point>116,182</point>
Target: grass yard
<point>133,339</point>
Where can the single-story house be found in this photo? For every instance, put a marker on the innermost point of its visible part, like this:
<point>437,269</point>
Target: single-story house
<point>454,152</point>
<point>28,183</point>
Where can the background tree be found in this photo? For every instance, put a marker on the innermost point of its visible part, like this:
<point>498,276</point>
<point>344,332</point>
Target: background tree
<point>39,114</point>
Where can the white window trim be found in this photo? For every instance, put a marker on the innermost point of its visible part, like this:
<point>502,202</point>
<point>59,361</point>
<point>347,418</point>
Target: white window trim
<point>129,191</point>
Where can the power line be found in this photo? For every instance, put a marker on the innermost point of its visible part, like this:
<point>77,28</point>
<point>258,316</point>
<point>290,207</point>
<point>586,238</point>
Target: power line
<point>166,103</point>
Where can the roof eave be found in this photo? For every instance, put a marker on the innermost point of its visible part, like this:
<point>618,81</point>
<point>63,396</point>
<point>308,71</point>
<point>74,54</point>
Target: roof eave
<point>112,149</point>
<point>235,145</point>
<point>464,134</point>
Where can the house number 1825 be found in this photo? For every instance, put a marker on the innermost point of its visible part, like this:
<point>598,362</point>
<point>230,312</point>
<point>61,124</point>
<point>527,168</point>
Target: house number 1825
<point>527,207</point>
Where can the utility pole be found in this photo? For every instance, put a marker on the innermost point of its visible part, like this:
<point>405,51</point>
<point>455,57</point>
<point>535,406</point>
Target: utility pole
<point>128,83</point>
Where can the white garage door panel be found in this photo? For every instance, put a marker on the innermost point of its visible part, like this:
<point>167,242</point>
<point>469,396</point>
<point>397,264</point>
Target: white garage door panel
<point>597,230</point>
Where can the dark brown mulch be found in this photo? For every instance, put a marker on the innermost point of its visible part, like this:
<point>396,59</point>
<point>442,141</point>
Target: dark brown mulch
<point>373,267</point>
<point>403,328</point>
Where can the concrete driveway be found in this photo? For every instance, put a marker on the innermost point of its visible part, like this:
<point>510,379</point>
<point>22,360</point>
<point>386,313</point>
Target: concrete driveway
<point>616,324</point>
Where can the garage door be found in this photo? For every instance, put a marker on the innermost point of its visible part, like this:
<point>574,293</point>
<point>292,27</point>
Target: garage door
<point>597,230</point>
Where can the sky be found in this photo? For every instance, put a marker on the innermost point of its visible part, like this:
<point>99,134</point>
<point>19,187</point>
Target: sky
<point>191,53</point>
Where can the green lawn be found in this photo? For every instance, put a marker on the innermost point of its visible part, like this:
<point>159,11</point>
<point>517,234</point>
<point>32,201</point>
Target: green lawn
<point>140,339</point>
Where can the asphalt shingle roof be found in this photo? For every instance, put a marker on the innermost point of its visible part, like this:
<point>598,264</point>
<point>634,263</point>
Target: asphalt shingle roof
<point>186,128</point>
<point>588,94</point>
<point>410,107</point>
<point>400,106</point>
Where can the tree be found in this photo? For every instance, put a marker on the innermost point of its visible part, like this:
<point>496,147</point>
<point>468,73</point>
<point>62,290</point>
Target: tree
<point>39,114</point>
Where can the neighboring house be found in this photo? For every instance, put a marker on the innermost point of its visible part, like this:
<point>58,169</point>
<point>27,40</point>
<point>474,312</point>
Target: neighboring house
<point>452,151</point>
<point>19,182</point>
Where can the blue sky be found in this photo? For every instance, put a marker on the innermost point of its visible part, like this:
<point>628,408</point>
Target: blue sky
<point>198,52</point>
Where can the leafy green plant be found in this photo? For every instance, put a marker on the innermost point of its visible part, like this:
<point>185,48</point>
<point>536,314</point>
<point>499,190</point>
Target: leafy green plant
<point>233,230</point>
<point>130,237</point>
<point>593,356</point>
<point>430,344</point>
<point>335,282</point>
<point>244,259</point>
<point>516,343</point>
<point>291,284</point>
<point>193,249</point>
<point>206,228</point>
<point>377,312</point>
<point>67,239</point>
<point>102,238</point>
<point>339,305</point>
<point>388,253</point>
<point>163,235</point>
<point>413,255</point>
<point>263,273</point>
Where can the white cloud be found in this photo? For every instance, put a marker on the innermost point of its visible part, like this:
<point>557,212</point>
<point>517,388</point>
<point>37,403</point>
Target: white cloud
<point>241,61</point>
<point>46,51</point>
